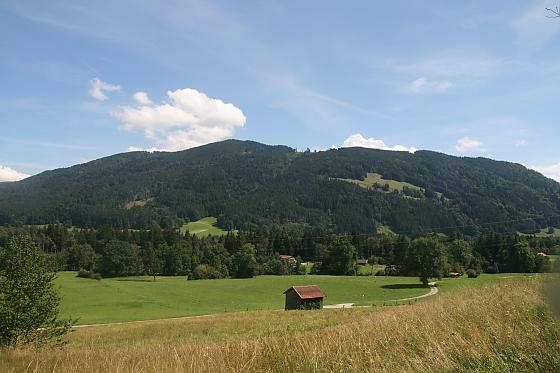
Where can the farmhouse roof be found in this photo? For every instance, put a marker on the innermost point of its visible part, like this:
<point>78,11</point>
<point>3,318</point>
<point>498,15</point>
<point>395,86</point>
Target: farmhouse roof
<point>286,257</point>
<point>308,292</point>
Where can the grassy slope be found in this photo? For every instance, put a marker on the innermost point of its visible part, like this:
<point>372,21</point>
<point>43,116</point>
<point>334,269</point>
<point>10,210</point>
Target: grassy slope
<point>500,328</point>
<point>204,227</point>
<point>373,178</point>
<point>139,298</point>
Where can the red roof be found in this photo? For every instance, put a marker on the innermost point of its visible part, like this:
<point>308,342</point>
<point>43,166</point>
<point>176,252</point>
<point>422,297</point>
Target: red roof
<point>307,292</point>
<point>286,257</point>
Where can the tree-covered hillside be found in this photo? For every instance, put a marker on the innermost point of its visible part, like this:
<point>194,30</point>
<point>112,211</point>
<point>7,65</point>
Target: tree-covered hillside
<point>251,186</point>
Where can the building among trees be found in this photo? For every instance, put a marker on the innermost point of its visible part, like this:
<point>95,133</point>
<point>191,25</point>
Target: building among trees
<point>308,297</point>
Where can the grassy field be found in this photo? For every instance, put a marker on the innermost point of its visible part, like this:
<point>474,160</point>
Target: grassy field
<point>140,298</point>
<point>373,178</point>
<point>505,327</point>
<point>203,227</point>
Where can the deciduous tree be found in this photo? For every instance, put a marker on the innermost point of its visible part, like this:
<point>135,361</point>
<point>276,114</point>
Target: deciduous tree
<point>29,302</point>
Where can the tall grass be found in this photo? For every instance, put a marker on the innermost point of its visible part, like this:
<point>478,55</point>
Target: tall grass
<point>503,327</point>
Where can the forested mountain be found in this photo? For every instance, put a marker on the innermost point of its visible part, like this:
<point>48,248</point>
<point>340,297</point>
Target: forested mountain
<point>251,186</point>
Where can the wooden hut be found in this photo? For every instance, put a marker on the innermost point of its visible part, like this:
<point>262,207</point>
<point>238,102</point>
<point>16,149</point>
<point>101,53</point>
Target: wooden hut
<point>308,297</point>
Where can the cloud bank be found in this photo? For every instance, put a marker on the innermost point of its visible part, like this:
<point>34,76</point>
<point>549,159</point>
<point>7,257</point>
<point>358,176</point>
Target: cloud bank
<point>98,88</point>
<point>189,119</point>
<point>8,174</point>
<point>360,141</point>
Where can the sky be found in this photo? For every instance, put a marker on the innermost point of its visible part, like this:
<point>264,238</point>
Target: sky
<point>80,80</point>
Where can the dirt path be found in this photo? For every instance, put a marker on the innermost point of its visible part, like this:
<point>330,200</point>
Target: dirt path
<point>433,291</point>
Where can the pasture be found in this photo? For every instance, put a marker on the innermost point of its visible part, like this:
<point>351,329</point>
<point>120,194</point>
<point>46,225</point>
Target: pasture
<point>503,327</point>
<point>203,227</point>
<point>373,179</point>
<point>141,298</point>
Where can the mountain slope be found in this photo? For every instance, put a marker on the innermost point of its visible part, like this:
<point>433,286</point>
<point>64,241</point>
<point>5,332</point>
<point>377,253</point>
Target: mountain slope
<point>248,185</point>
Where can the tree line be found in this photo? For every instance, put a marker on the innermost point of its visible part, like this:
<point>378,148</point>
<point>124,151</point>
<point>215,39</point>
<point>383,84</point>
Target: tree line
<point>111,252</point>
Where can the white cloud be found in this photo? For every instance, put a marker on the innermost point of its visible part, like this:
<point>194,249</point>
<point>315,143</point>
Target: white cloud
<point>466,144</point>
<point>142,98</point>
<point>424,85</point>
<point>190,119</point>
<point>552,171</point>
<point>359,141</point>
<point>8,174</point>
<point>98,88</point>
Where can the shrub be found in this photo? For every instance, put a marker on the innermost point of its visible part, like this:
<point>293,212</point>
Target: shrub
<point>205,272</point>
<point>542,264</point>
<point>381,272</point>
<point>492,269</point>
<point>391,271</point>
<point>471,273</point>
<point>84,273</point>
<point>89,274</point>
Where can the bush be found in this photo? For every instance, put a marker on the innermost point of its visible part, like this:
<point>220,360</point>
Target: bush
<point>471,273</point>
<point>381,272</point>
<point>492,269</point>
<point>205,272</point>
<point>391,271</point>
<point>542,264</point>
<point>89,274</point>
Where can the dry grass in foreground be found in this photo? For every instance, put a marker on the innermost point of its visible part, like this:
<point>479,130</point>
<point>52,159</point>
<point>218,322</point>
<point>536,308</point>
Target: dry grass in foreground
<point>500,328</point>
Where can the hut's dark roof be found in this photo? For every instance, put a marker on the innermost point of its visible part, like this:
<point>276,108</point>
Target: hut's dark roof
<point>308,292</point>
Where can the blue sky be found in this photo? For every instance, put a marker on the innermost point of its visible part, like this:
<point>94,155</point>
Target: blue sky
<point>81,80</point>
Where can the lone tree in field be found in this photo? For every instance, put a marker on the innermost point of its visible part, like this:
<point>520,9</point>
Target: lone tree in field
<point>429,257</point>
<point>28,300</point>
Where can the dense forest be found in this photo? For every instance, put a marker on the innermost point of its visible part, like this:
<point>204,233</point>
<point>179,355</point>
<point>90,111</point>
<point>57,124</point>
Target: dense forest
<point>110,252</point>
<point>252,187</point>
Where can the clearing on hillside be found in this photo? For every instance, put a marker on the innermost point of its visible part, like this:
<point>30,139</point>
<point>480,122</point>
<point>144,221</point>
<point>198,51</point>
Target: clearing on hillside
<point>204,227</point>
<point>373,179</point>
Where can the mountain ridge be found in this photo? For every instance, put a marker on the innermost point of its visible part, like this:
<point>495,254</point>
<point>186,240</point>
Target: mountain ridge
<point>252,186</point>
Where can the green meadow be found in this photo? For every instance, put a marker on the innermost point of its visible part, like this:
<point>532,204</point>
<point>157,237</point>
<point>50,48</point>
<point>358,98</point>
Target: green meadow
<point>373,179</point>
<point>203,227</point>
<point>141,298</point>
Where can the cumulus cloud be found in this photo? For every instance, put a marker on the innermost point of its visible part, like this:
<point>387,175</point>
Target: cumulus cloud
<point>189,119</point>
<point>424,85</point>
<point>552,171</point>
<point>98,88</point>
<point>8,174</point>
<point>360,141</point>
<point>142,98</point>
<point>466,144</point>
